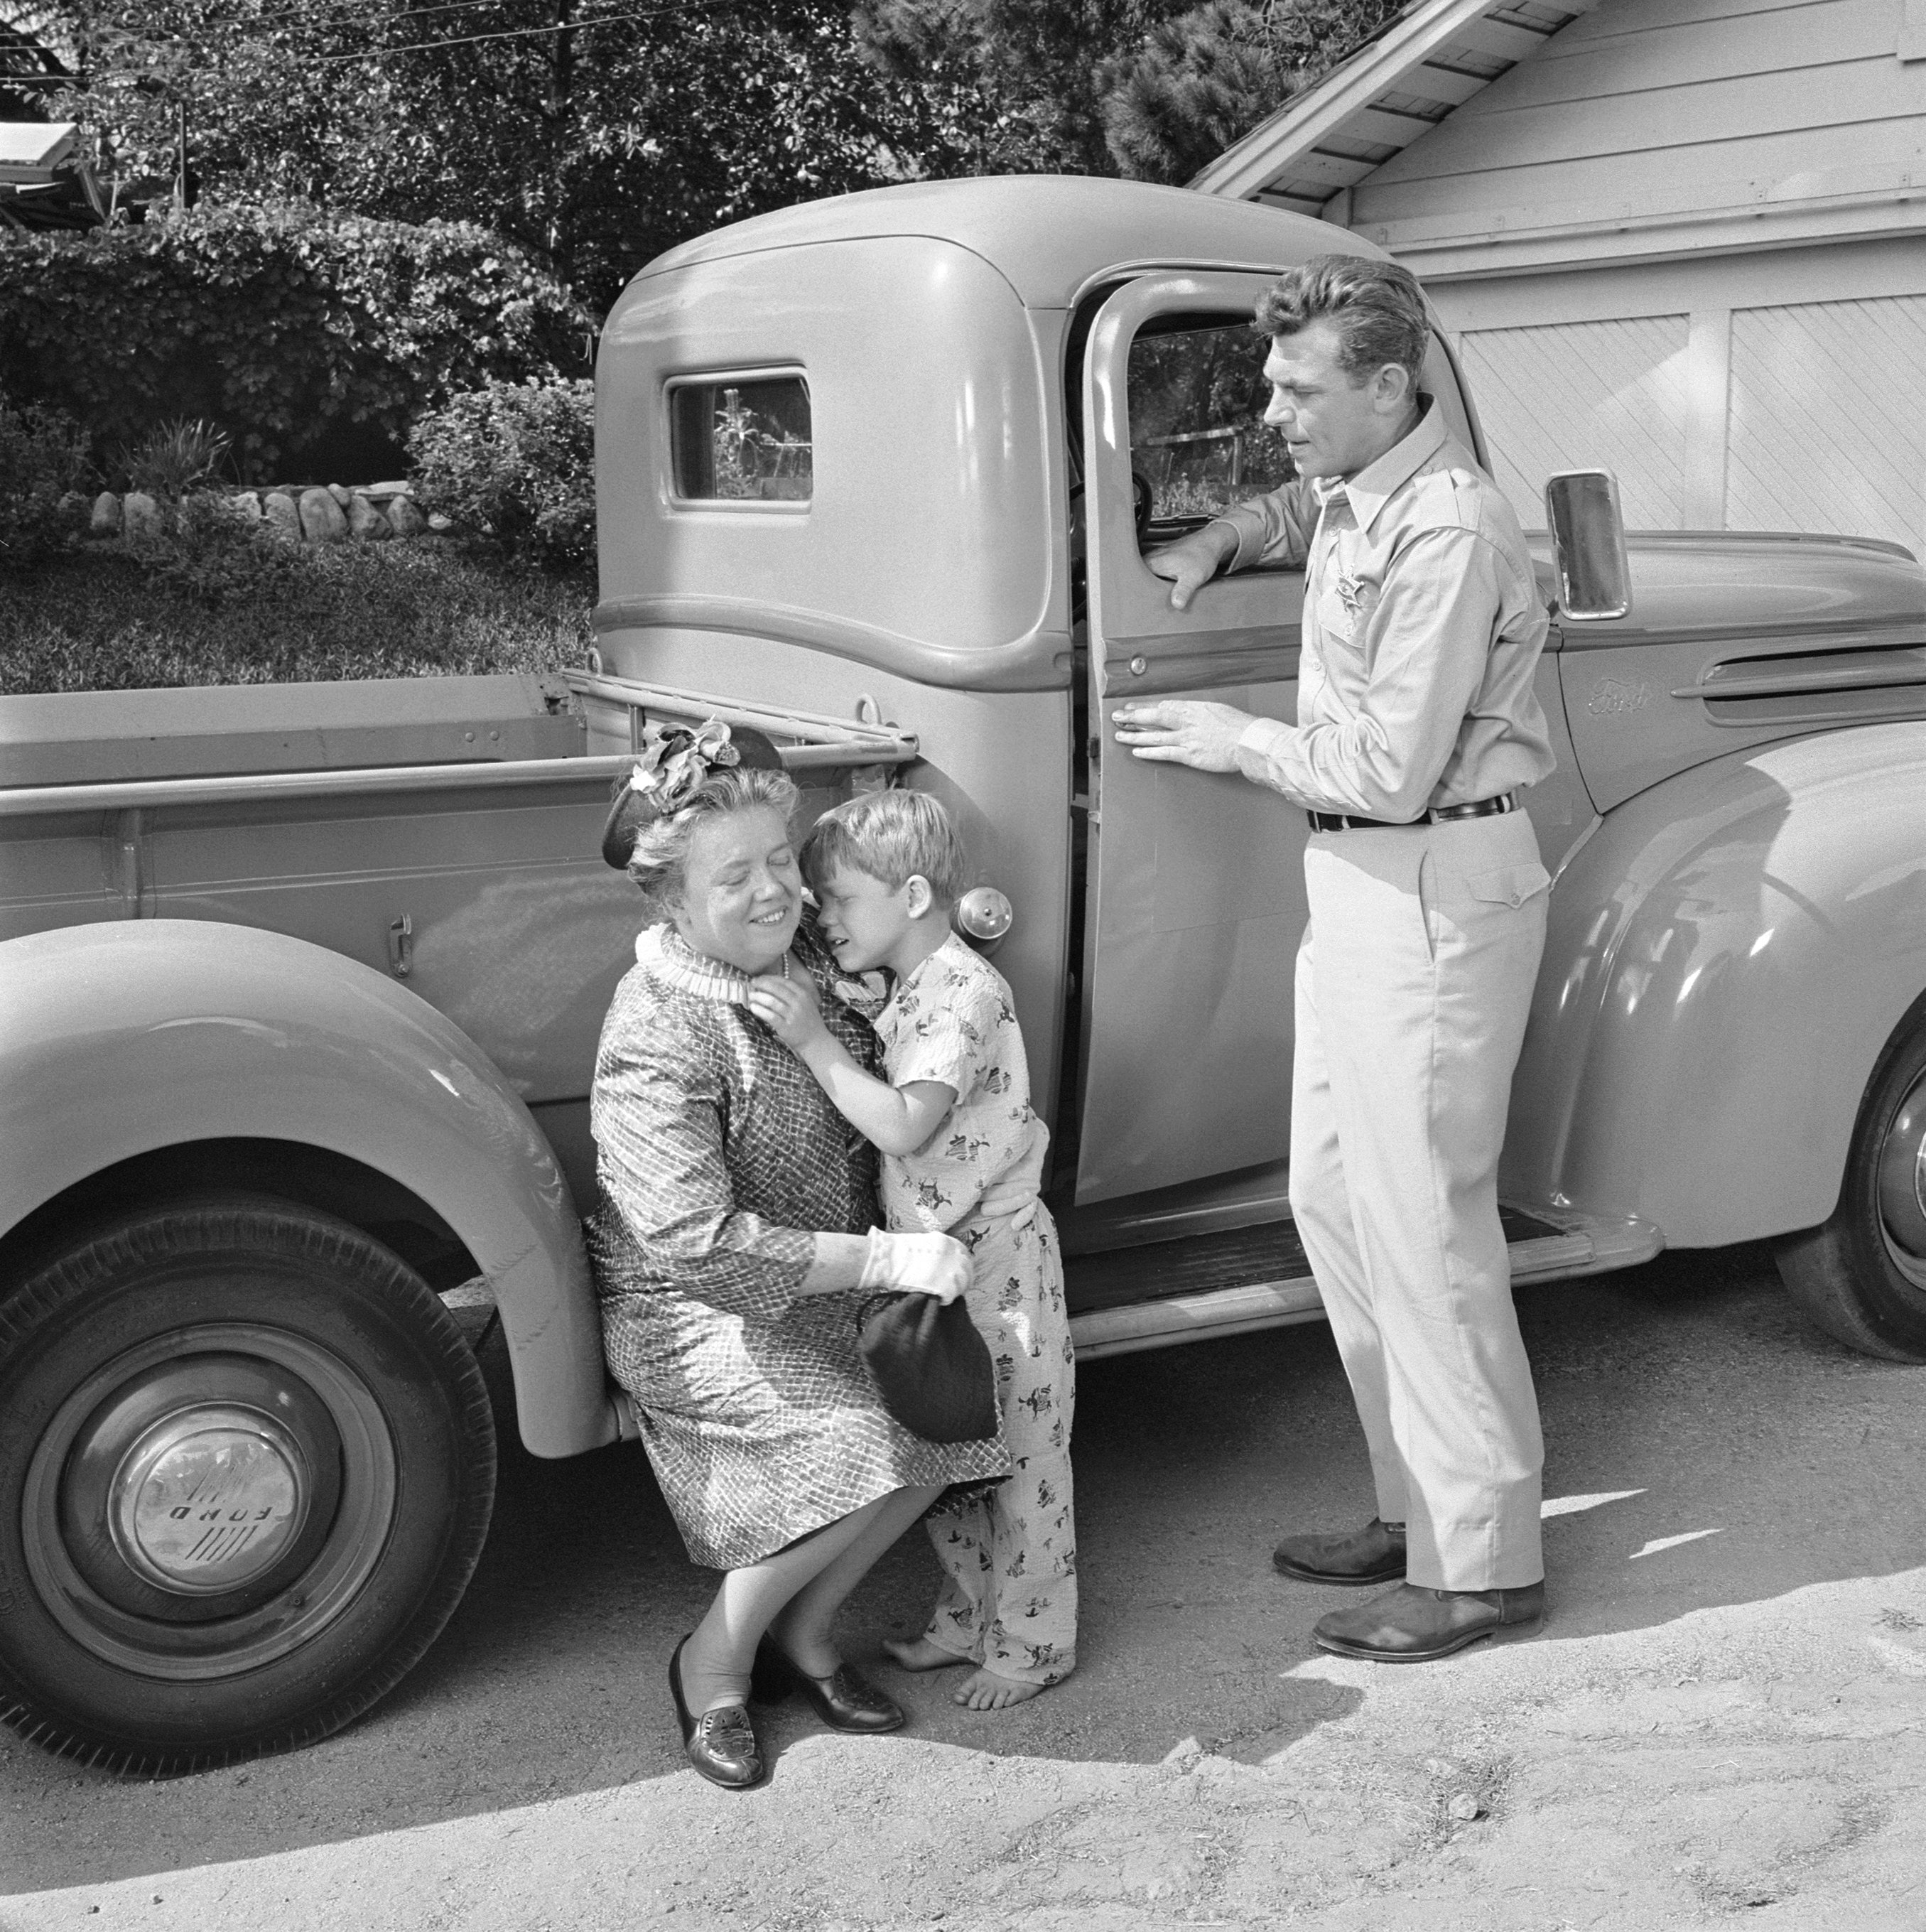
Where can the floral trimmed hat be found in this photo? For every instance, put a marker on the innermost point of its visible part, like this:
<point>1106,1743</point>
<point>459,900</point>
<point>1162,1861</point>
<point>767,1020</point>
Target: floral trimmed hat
<point>674,762</point>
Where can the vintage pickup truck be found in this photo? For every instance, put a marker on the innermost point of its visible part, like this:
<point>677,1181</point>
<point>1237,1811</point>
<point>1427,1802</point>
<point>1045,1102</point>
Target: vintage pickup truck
<point>300,987</point>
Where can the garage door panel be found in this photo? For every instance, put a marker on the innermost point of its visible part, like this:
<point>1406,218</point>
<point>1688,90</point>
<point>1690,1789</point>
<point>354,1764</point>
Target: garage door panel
<point>1613,395</point>
<point>1828,419</point>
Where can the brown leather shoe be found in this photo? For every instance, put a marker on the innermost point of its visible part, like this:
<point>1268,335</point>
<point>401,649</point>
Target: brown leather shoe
<point>1413,1625</point>
<point>1374,1554</point>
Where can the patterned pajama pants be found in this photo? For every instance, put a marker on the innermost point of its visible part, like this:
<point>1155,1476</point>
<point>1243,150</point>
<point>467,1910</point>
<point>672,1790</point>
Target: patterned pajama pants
<point>1008,1599</point>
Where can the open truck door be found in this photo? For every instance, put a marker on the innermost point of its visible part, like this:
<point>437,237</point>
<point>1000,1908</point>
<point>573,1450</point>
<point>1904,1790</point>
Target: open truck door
<point>1195,881</point>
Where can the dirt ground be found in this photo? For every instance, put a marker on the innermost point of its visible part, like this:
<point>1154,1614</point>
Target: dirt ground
<point>1722,1721</point>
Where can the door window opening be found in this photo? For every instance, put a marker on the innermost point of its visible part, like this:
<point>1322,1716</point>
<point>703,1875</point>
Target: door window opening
<point>1198,444</point>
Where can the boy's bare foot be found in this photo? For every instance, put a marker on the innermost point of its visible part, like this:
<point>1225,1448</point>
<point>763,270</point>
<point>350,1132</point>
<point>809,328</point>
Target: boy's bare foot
<point>987,1691</point>
<point>922,1654</point>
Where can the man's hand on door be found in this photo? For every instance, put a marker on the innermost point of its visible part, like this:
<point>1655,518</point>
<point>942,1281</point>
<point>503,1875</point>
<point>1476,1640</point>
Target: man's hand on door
<point>1191,563</point>
<point>1182,731</point>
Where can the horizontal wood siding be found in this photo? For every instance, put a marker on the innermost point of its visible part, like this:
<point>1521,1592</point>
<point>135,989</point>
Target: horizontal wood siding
<point>1828,419</point>
<point>1653,107</point>
<point>1612,395</point>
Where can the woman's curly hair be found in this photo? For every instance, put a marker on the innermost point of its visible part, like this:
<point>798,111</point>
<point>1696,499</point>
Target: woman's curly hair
<point>659,863</point>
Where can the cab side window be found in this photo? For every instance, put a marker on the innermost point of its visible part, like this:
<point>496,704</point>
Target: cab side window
<point>742,439</point>
<point>1199,443</point>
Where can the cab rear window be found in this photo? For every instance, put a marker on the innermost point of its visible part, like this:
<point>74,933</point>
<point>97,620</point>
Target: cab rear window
<point>742,439</point>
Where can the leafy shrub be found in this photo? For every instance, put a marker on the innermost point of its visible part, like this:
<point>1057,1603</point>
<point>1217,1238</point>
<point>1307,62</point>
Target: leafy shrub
<point>310,337</point>
<point>212,556</point>
<point>169,461</point>
<point>43,455</point>
<point>516,461</point>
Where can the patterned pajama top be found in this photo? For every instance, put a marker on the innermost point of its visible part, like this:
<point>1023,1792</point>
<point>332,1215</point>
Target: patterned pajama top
<point>951,1021</point>
<point>718,1157</point>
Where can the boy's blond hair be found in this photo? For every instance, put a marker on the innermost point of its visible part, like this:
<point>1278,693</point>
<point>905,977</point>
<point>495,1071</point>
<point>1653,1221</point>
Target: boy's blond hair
<point>891,835</point>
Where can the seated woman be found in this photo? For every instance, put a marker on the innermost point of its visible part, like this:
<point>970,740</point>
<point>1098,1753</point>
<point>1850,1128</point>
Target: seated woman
<point>736,1220</point>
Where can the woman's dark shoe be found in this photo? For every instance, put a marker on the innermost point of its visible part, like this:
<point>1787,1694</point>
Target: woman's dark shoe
<point>1411,1625</point>
<point>722,1744</point>
<point>1374,1554</point>
<point>845,1700</point>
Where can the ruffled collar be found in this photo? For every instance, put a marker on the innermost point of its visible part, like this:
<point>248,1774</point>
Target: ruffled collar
<point>666,956</point>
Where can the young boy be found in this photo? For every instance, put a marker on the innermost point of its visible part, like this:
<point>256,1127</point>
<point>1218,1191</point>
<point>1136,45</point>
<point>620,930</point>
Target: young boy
<point>962,1155</point>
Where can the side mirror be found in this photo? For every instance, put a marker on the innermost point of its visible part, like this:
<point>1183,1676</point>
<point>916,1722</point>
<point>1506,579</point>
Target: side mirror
<point>1589,544</point>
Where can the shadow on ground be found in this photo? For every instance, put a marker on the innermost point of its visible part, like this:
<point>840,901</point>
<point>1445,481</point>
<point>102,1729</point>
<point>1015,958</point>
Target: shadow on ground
<point>1748,1456</point>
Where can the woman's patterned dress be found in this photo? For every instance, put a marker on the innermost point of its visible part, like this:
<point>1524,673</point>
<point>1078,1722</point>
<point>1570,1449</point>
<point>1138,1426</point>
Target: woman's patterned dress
<point>718,1157</point>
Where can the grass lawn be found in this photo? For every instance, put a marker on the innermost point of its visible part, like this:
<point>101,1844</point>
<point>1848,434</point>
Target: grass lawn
<point>96,619</point>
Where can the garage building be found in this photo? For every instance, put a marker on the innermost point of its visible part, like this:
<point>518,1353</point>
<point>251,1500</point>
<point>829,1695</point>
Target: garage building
<point>1684,239</point>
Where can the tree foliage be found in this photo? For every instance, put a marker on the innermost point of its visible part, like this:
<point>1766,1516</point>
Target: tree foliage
<point>1015,86</point>
<point>1153,89</point>
<point>594,132</point>
<point>306,338</point>
<point>1199,82</point>
<point>28,66</point>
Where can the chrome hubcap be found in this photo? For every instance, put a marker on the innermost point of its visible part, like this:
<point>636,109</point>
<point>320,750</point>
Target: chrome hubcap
<point>207,1499</point>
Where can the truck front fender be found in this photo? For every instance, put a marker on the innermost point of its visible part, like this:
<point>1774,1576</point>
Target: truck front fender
<point>121,1039</point>
<point>1727,954</point>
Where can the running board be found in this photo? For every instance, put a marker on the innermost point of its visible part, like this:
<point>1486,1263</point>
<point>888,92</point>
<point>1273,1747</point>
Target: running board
<point>1571,1245</point>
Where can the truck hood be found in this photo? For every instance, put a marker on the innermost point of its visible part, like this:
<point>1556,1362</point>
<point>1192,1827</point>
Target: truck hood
<point>1784,592</point>
<point>1733,640</point>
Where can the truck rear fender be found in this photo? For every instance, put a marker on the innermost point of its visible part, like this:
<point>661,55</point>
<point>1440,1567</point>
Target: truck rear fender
<point>121,1039</point>
<point>1727,955</point>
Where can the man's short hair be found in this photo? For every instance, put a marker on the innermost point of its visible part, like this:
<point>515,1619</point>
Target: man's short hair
<point>891,835</point>
<point>1378,307</point>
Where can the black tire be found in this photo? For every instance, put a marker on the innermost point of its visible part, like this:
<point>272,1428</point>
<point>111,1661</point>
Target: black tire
<point>176,1362</point>
<point>1861,1276</point>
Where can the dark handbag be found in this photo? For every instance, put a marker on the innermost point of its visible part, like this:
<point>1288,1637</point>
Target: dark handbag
<point>929,1366</point>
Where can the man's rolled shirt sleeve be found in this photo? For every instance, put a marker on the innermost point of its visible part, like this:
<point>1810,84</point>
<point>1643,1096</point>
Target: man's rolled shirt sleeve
<point>1275,528</point>
<point>1426,643</point>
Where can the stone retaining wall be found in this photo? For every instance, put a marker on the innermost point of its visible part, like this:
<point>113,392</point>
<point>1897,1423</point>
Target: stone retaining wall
<point>297,513</point>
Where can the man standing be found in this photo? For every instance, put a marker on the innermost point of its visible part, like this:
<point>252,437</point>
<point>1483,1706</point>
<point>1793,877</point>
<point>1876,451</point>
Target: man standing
<point>1417,728</point>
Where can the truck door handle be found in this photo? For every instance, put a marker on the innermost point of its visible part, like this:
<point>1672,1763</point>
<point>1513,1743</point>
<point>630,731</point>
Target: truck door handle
<point>401,946</point>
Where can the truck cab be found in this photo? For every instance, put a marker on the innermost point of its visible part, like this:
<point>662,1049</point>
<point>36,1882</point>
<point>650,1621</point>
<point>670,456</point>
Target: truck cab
<point>900,456</point>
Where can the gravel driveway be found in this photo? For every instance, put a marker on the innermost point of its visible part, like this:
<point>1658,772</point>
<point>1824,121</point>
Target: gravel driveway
<point>1722,1720</point>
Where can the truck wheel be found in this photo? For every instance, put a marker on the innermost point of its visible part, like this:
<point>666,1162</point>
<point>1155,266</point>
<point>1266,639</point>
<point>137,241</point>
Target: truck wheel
<point>1862,1276</point>
<point>246,1467</point>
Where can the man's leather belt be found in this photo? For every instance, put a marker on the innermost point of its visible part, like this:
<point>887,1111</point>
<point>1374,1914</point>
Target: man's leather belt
<point>1482,808</point>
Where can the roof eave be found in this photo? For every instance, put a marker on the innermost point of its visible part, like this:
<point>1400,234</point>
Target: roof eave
<point>1249,165</point>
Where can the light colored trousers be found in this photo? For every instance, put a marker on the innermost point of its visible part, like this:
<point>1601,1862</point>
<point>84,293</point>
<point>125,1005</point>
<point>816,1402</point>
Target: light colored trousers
<point>1413,985</point>
<point>1008,1598</point>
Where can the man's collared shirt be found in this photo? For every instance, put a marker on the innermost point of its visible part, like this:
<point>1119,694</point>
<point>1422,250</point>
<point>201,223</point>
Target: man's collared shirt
<point>1423,626</point>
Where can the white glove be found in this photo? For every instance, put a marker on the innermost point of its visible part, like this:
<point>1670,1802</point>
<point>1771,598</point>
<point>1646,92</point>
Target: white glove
<point>931,1264</point>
